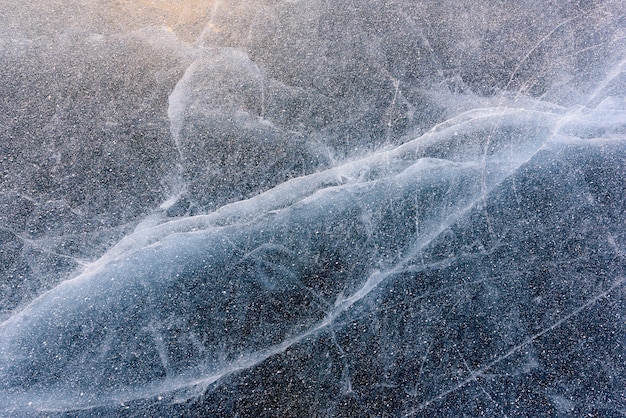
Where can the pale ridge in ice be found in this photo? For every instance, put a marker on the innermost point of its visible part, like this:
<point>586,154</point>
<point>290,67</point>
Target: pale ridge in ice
<point>67,349</point>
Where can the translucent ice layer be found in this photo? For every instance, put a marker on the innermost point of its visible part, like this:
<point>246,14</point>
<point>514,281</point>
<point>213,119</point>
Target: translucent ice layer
<point>309,208</point>
<point>185,303</point>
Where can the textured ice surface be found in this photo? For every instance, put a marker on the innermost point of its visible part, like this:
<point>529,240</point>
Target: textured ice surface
<point>303,209</point>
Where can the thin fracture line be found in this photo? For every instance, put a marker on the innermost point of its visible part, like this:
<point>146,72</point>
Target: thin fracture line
<point>618,283</point>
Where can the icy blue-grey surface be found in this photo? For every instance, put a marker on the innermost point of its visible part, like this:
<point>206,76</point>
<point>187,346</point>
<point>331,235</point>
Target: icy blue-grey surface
<point>373,208</point>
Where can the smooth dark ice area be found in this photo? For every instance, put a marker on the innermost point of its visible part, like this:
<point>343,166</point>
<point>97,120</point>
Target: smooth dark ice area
<point>313,209</point>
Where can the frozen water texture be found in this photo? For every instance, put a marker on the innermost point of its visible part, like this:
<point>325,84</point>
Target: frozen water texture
<point>298,209</point>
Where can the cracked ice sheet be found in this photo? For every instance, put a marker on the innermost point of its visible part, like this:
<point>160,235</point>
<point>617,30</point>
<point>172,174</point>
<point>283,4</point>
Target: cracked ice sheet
<point>177,307</point>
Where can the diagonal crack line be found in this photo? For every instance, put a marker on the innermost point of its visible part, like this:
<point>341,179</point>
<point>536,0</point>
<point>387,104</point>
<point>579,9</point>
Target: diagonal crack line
<point>616,284</point>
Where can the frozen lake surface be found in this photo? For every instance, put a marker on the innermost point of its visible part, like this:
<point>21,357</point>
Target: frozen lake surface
<point>378,208</point>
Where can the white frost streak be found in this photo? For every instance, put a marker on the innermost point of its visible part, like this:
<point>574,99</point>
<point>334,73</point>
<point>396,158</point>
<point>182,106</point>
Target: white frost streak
<point>405,164</point>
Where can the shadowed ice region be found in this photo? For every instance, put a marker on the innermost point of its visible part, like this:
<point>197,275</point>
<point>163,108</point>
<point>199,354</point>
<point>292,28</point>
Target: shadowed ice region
<point>294,209</point>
